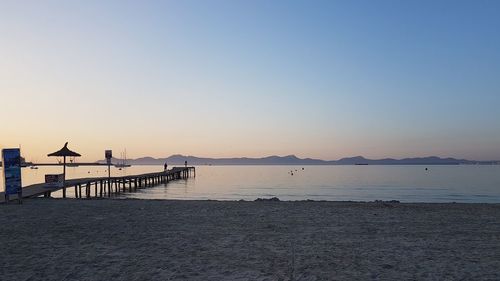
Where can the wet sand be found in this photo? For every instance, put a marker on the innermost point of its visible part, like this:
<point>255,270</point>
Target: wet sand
<point>51,239</point>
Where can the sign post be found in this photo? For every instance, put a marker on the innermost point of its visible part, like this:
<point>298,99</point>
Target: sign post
<point>11,159</point>
<point>108,154</point>
<point>54,180</point>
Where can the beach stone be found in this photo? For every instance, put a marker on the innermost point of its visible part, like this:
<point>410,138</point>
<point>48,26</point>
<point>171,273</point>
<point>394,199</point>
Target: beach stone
<point>273,199</point>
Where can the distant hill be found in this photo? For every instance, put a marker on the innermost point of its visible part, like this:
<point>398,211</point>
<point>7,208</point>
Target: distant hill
<point>23,162</point>
<point>294,160</point>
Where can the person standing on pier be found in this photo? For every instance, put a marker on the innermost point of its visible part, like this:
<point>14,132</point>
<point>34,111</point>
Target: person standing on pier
<point>185,163</point>
<point>165,166</point>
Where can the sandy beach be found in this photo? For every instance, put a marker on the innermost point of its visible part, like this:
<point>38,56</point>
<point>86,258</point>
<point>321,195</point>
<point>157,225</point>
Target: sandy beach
<point>51,239</point>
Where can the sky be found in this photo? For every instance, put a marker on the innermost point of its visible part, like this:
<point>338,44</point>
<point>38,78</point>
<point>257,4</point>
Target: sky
<point>320,79</point>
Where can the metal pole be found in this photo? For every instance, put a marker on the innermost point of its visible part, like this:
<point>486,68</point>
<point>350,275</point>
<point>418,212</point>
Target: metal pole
<point>64,177</point>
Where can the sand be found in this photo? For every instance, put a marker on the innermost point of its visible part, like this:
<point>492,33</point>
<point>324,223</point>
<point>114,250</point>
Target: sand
<point>55,239</point>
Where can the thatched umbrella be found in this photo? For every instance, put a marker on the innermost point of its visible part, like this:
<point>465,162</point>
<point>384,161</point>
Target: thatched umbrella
<point>64,152</point>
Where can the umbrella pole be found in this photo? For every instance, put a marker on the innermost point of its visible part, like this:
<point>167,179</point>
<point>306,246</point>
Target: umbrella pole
<point>64,177</point>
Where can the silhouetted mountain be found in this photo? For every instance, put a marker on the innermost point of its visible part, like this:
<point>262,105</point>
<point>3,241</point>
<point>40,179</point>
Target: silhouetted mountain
<point>294,160</point>
<point>352,161</point>
<point>23,162</point>
<point>432,160</point>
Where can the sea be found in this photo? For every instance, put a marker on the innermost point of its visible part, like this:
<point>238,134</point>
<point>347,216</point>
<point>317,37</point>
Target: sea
<point>405,183</point>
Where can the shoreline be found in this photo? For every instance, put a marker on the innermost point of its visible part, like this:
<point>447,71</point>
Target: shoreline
<point>293,201</point>
<point>266,199</point>
<point>136,239</point>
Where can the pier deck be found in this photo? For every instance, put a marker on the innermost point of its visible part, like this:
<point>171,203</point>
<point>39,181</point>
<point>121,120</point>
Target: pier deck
<point>104,186</point>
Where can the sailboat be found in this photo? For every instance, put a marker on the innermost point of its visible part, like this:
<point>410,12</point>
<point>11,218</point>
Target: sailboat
<point>33,166</point>
<point>123,163</point>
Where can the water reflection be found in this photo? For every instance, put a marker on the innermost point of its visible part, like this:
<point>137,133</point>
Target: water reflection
<point>363,183</point>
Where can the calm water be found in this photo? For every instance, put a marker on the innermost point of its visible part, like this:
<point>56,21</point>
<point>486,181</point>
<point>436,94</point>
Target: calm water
<point>363,183</point>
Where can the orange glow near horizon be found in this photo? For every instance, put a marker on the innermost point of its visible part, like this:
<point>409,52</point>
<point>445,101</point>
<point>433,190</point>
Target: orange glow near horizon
<point>240,79</point>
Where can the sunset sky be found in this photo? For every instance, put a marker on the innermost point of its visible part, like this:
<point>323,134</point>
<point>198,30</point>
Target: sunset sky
<point>320,79</point>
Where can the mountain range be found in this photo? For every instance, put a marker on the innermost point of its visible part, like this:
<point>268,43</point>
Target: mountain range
<point>294,160</point>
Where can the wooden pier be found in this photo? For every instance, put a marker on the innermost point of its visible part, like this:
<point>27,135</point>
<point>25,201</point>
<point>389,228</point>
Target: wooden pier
<point>101,187</point>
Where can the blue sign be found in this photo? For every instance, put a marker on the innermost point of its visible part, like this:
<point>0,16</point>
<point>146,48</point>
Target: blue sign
<point>12,170</point>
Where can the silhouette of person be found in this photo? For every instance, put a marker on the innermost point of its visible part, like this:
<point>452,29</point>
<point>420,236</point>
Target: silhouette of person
<point>185,163</point>
<point>165,167</point>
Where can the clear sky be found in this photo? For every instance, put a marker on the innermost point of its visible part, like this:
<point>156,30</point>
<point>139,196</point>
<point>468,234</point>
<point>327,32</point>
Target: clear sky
<point>321,79</point>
